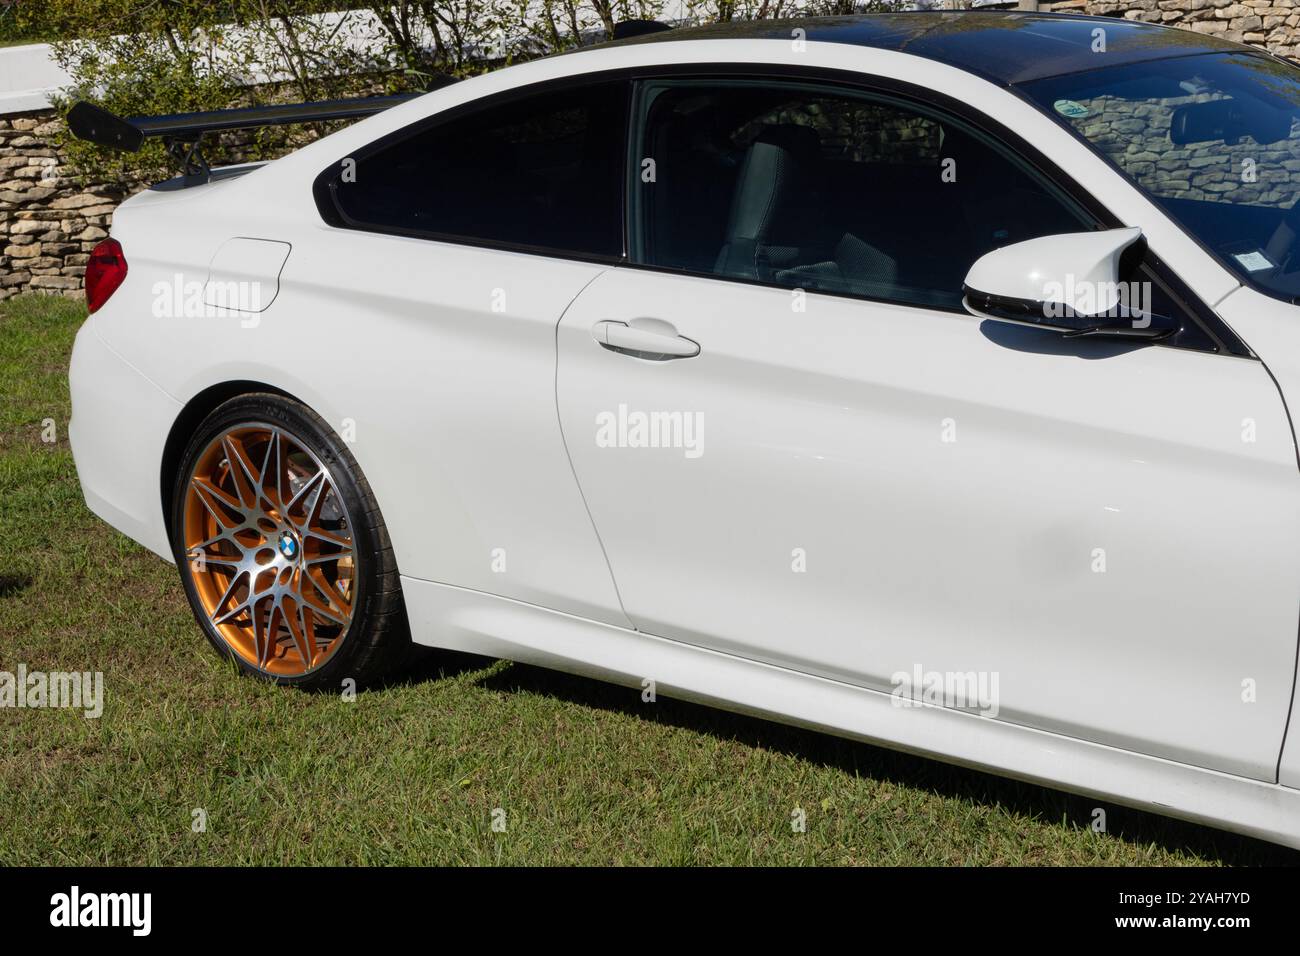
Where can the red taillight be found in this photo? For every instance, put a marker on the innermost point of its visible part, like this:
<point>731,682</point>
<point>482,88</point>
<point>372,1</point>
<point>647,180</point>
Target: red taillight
<point>104,272</point>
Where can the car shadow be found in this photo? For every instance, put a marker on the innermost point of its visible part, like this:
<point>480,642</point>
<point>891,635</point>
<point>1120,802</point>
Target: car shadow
<point>14,584</point>
<point>852,757</point>
<point>427,665</point>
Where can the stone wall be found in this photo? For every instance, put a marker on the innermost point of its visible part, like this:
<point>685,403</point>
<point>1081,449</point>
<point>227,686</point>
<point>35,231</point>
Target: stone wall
<point>1272,24</point>
<point>48,222</point>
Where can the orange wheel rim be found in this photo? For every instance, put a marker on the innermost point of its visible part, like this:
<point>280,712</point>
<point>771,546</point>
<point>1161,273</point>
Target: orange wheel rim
<point>270,551</point>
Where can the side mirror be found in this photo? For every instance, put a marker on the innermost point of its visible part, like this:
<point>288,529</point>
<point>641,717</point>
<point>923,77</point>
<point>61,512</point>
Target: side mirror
<point>1070,283</point>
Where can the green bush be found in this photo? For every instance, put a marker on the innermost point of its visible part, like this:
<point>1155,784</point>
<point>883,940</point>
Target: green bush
<point>16,25</point>
<point>146,57</point>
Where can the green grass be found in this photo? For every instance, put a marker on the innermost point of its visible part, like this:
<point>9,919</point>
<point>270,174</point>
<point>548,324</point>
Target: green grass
<point>586,773</point>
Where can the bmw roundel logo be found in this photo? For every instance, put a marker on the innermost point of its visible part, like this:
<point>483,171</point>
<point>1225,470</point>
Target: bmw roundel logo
<point>288,545</point>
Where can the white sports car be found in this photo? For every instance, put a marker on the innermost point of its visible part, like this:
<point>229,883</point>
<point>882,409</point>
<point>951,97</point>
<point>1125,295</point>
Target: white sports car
<point>922,378</point>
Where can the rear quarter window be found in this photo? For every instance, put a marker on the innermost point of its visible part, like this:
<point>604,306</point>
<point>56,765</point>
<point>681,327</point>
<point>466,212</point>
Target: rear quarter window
<point>541,171</point>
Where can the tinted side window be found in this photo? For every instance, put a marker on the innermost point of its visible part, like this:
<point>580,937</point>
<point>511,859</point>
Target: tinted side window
<point>814,188</point>
<point>542,171</point>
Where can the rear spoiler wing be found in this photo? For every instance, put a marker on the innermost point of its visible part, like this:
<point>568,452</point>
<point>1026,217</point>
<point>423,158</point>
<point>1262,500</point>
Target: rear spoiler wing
<point>182,133</point>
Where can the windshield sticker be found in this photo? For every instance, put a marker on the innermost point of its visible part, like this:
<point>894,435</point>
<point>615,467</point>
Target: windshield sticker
<point>1070,109</point>
<point>1253,261</point>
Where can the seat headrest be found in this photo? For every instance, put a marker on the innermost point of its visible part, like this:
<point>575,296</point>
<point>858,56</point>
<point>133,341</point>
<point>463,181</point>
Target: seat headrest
<point>802,141</point>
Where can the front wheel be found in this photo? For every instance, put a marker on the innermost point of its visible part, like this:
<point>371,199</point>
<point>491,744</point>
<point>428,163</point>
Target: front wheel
<point>282,549</point>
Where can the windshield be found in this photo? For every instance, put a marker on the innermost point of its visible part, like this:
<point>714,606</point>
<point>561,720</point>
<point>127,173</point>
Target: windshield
<point>1213,139</point>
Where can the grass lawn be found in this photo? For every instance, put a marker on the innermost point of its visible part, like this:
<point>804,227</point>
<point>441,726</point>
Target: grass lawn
<point>585,772</point>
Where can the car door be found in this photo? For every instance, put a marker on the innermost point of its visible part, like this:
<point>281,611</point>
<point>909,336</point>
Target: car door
<point>798,448</point>
<point>467,234</point>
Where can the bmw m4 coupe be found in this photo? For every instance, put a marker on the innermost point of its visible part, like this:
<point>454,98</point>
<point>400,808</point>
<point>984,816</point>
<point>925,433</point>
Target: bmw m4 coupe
<point>920,378</point>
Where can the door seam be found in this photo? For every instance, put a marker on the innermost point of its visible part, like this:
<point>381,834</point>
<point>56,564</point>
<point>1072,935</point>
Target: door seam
<point>564,443</point>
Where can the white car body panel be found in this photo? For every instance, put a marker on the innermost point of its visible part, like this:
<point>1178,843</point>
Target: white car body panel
<point>825,431</point>
<point>389,338</point>
<point>120,428</point>
<point>383,377</point>
<point>1271,326</point>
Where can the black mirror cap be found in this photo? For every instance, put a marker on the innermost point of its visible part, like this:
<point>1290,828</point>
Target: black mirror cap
<point>1147,327</point>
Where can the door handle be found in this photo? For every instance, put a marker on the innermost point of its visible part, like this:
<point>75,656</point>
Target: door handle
<point>658,342</point>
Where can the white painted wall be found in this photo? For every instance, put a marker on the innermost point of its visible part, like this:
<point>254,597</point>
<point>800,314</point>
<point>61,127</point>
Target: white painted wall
<point>28,75</point>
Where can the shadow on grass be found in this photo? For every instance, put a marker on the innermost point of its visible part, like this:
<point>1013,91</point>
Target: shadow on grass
<point>859,759</point>
<point>434,664</point>
<point>11,584</point>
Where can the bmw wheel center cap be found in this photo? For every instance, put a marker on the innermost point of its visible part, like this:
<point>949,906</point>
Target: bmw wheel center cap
<point>288,545</point>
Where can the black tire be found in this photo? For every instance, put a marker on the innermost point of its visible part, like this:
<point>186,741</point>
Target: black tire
<point>376,642</point>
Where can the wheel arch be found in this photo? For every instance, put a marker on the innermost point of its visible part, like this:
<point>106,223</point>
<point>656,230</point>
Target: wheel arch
<point>196,409</point>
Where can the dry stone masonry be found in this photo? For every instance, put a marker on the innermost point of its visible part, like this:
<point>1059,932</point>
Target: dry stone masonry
<point>48,223</point>
<point>1271,24</point>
